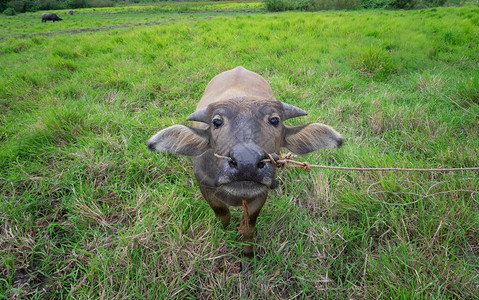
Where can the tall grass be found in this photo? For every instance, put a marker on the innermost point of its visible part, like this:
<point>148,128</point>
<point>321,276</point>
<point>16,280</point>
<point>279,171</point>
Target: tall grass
<point>87,211</point>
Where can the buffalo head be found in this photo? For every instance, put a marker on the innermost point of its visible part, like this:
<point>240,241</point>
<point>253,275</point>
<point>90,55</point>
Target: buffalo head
<point>241,132</point>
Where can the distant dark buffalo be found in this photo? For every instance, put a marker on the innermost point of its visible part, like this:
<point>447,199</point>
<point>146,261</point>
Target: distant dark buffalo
<point>50,17</point>
<point>70,12</point>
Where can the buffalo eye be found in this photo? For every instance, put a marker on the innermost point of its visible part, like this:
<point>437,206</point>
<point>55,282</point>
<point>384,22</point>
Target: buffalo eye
<point>274,121</point>
<point>217,122</point>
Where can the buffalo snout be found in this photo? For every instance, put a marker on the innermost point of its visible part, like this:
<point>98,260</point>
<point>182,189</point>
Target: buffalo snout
<point>247,159</point>
<point>246,163</point>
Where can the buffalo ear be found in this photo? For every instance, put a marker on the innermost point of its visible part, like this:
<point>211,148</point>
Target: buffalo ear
<point>291,111</point>
<point>180,139</point>
<point>311,137</point>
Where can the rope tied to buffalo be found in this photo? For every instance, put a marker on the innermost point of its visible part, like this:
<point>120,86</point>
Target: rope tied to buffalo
<point>287,160</point>
<point>244,225</point>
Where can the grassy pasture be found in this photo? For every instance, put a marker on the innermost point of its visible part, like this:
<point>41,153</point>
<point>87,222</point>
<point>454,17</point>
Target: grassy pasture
<point>88,212</point>
<point>106,17</point>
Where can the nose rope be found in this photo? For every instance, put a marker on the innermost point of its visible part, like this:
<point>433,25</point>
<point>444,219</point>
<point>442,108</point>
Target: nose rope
<point>275,159</point>
<point>282,162</point>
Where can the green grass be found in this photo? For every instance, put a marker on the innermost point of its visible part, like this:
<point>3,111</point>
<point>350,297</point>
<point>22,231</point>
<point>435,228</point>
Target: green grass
<point>94,19</point>
<point>87,211</point>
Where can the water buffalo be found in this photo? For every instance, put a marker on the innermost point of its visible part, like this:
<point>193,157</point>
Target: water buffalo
<point>70,12</point>
<point>50,17</point>
<point>237,123</point>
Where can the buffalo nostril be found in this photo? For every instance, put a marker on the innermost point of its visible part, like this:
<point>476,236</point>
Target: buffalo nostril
<point>233,163</point>
<point>261,165</point>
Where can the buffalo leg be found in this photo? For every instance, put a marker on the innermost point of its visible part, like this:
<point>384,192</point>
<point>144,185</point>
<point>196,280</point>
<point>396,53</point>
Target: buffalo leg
<point>221,210</point>
<point>253,210</point>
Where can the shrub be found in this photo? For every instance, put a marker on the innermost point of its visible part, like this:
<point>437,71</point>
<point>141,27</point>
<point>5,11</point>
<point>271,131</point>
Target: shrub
<point>100,3</point>
<point>311,5</point>
<point>9,11</point>
<point>79,3</point>
<point>283,5</point>
<point>429,3</point>
<point>375,3</point>
<point>402,4</point>
<point>50,4</point>
<point>315,5</point>
<point>410,4</point>
<point>334,4</point>
<point>23,5</point>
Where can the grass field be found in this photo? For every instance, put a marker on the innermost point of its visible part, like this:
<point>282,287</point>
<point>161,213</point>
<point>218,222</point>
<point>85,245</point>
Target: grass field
<point>87,211</point>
